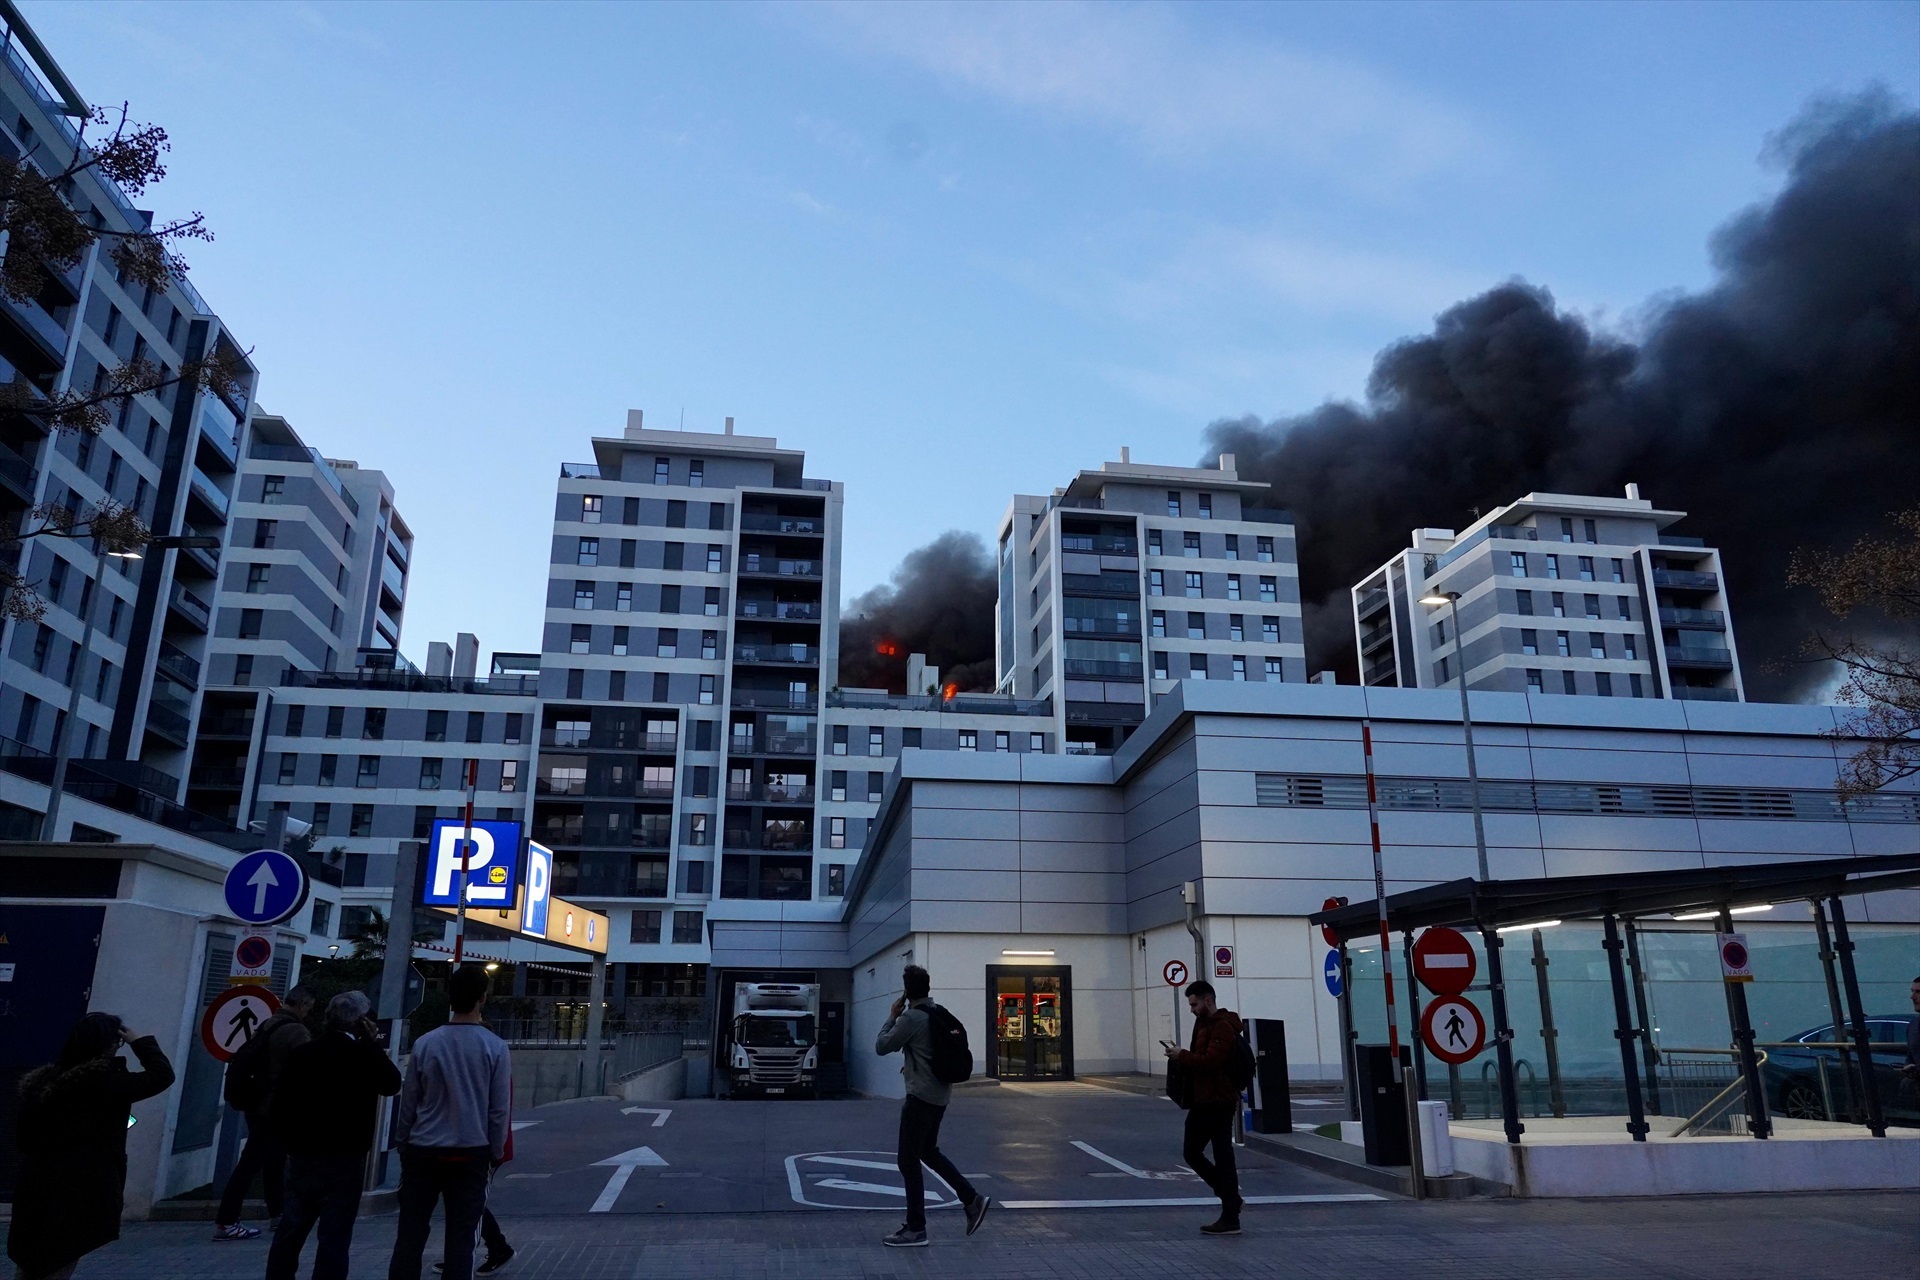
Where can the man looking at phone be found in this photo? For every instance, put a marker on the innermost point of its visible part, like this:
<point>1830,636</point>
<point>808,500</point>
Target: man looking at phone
<point>1210,1115</point>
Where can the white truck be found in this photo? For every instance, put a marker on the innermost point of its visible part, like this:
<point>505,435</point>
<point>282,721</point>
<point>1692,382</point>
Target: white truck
<point>776,1039</point>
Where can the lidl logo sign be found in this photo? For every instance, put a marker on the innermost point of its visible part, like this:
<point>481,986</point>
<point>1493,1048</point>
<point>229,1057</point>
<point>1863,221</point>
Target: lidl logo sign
<point>493,864</point>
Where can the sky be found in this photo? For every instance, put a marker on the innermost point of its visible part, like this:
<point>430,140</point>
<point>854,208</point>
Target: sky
<point>954,253</point>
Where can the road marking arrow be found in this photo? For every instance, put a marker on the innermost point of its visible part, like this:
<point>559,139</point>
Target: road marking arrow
<point>623,1166</point>
<point>659,1114</point>
<point>261,881</point>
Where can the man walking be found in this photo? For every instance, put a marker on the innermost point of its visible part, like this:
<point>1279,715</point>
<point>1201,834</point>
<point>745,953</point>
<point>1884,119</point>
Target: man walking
<point>909,1031</point>
<point>324,1113</point>
<point>451,1129</point>
<point>254,1073</point>
<point>1210,1117</point>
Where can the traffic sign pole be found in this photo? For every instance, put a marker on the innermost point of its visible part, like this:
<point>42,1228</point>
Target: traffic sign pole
<point>1417,1177</point>
<point>466,848</point>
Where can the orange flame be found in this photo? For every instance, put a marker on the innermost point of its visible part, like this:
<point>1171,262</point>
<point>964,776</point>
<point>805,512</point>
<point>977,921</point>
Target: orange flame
<point>948,692</point>
<point>887,649</point>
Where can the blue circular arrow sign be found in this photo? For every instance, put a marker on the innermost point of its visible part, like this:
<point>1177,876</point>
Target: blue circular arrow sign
<point>266,887</point>
<point>1332,970</point>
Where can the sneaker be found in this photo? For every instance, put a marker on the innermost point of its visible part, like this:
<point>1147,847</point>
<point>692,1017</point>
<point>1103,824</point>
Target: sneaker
<point>1224,1227</point>
<point>905,1239</point>
<point>235,1232</point>
<point>494,1262</point>
<point>977,1213</point>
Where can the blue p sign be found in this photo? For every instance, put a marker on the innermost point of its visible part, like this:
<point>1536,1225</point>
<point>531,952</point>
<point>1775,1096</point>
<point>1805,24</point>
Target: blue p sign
<point>493,863</point>
<point>533,917</point>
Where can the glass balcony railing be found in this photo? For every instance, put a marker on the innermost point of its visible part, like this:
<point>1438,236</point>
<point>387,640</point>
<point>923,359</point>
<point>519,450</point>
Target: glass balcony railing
<point>180,665</point>
<point>1697,619</point>
<point>1372,602</point>
<point>1699,656</point>
<point>190,606</point>
<point>1699,693</point>
<point>776,566</point>
<point>1685,580</point>
<point>759,522</point>
<point>778,699</point>
<point>780,610</point>
<point>778,654</point>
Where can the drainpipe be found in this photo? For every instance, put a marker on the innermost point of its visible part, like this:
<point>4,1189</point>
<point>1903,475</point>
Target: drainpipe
<point>1190,892</point>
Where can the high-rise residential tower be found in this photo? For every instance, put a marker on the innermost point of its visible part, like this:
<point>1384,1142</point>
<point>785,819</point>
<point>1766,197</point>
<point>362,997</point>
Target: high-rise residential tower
<point>1558,594</point>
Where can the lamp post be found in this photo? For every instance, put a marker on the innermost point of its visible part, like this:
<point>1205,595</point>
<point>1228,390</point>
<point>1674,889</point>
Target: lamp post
<point>63,747</point>
<point>1452,600</point>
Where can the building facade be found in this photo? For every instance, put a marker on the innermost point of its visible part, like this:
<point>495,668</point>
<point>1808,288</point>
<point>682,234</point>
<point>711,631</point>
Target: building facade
<point>1558,594</point>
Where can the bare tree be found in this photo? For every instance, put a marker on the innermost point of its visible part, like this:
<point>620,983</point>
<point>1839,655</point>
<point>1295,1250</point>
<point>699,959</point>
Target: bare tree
<point>1876,576</point>
<point>46,234</point>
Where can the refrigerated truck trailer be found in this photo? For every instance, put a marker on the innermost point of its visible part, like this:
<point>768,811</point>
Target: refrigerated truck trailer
<point>776,1039</point>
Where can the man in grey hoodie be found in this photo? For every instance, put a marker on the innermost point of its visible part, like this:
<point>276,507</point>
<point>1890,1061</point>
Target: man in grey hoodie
<point>909,1032</point>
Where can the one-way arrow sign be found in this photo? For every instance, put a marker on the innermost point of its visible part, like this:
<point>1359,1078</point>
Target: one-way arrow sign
<point>623,1166</point>
<point>659,1114</point>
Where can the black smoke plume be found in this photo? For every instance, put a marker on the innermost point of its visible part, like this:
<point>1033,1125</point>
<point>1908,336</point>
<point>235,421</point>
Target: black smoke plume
<point>1781,407</point>
<point>939,603</point>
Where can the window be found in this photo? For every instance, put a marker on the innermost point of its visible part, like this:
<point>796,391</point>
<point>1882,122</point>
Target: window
<point>1566,530</point>
<point>709,644</point>
<point>643,928</point>
<point>969,740</point>
<point>242,670</point>
<point>1591,530</point>
<point>336,721</point>
<point>909,738</point>
<point>1270,630</point>
<point>676,515</point>
<point>1553,566</point>
<point>1559,604</point>
<point>256,579</point>
<point>1153,542</point>
<point>836,833</point>
<point>1173,502</point>
<point>713,559</point>
<point>876,742</point>
<point>509,775</point>
<point>328,765</point>
<point>1197,666</point>
<point>1533,682</point>
<point>1239,668</point>
<point>660,470</point>
<point>1523,600</point>
<point>361,823</point>
<point>576,684</point>
<point>1603,684</point>
<point>1156,586</point>
<point>687,927</point>
<point>1236,627</point>
<point>1196,626</point>
<point>696,473</point>
<point>706,691</point>
<point>699,828</point>
<point>1270,590</point>
<point>1037,742</point>
<point>289,762</point>
<point>623,598</point>
<point>1190,546</point>
<point>322,917</point>
<point>839,740</point>
<point>1563,643</point>
<point>1597,644</point>
<point>583,595</point>
<point>1440,671</point>
<point>1206,506</point>
<point>1440,631</point>
<point>588,553</point>
<point>581,638</point>
<point>373,726</point>
<point>476,726</point>
<point>1631,645</point>
<point>711,605</point>
<point>592,505</point>
<point>1530,642</point>
<point>627,548</point>
<point>1619,571</point>
<point>1158,622</point>
<point>1233,586</point>
<point>1566,682</point>
<point>250,621</point>
<point>296,721</point>
<point>1002,741</point>
<point>1518,561</point>
<point>264,532</point>
<point>1159,666</point>
<point>1263,550</point>
<point>1194,589</point>
<point>369,775</point>
<point>322,819</point>
<point>1633,681</point>
<point>716,515</point>
<point>572,733</point>
<point>1593,606</point>
<point>1586,568</point>
<point>836,881</point>
<point>436,726</point>
<point>667,643</point>
<point>1273,669</point>
<point>673,555</point>
<point>837,784</point>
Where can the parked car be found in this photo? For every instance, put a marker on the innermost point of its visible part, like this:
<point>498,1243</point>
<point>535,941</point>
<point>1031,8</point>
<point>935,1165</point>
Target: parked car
<point>1807,1082</point>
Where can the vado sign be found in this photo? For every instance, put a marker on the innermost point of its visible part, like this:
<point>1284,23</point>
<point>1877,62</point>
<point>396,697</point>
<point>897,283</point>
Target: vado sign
<point>1736,960</point>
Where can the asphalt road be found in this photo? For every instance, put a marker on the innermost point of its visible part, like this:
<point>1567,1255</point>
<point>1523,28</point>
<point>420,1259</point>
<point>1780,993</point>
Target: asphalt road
<point>1031,1147</point>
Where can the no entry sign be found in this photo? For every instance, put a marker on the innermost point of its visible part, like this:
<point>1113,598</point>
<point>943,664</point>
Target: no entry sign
<point>1453,1030</point>
<point>1175,973</point>
<point>1443,961</point>
<point>1326,931</point>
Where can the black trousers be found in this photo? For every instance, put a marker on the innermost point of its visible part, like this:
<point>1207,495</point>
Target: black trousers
<point>429,1175</point>
<point>262,1155</point>
<point>323,1190</point>
<point>920,1145</point>
<point>1212,1123</point>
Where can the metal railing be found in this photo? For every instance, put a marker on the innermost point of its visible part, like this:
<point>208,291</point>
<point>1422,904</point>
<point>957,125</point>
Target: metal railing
<point>1699,656</point>
<point>781,654</point>
<point>1685,579</point>
<point>775,566</point>
<point>757,522</point>
<point>791,610</point>
<point>780,699</point>
<point>1705,619</point>
<point>1688,1074</point>
<point>191,606</point>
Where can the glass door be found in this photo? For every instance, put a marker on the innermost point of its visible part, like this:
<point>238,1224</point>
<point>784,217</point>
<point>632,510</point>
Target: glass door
<point>1033,1035</point>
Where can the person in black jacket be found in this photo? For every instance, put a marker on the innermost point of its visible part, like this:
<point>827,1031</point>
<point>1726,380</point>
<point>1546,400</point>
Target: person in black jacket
<point>324,1108</point>
<point>73,1145</point>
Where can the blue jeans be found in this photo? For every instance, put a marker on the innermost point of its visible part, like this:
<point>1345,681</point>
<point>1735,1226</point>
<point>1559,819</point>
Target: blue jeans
<point>322,1189</point>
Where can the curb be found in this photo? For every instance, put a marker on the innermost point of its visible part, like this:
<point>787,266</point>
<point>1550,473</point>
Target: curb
<point>1344,1160</point>
<point>372,1203</point>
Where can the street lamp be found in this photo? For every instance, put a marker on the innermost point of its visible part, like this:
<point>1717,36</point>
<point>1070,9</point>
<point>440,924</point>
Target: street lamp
<point>1452,600</point>
<point>63,749</point>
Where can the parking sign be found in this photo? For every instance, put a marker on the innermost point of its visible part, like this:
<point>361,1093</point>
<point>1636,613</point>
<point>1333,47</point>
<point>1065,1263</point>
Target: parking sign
<point>493,864</point>
<point>533,916</point>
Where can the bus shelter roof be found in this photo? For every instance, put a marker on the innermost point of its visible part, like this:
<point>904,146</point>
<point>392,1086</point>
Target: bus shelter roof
<point>1496,904</point>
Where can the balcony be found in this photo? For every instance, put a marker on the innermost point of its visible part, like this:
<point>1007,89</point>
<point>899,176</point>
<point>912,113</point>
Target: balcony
<point>1105,586</point>
<point>979,704</point>
<point>1087,667</point>
<point>778,610</point>
<point>1694,619</point>
<point>223,778</point>
<point>776,699</point>
<point>1100,544</point>
<point>1381,672</point>
<point>311,457</point>
<point>219,439</point>
<point>1371,640</point>
<point>805,526</point>
<point>770,793</point>
<point>754,565</point>
<point>227,724</point>
<point>579,471</point>
<point>198,562</point>
<point>1685,580</point>
<point>782,655</point>
<point>179,665</point>
<point>16,473</point>
<point>170,718</point>
<point>1699,656</point>
<point>1696,693</point>
<point>1100,627</point>
<point>775,744</point>
<point>49,335</point>
<point>190,607</point>
<point>208,494</point>
<point>1371,602</point>
<point>739,839</point>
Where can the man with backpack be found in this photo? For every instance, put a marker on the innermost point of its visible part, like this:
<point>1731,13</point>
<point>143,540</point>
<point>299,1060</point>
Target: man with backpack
<point>252,1077</point>
<point>1211,1067</point>
<point>934,1047</point>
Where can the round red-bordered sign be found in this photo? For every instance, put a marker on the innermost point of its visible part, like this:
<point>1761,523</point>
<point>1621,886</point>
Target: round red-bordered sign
<point>1453,1030</point>
<point>233,1017</point>
<point>254,952</point>
<point>1444,962</point>
<point>1326,931</point>
<point>1175,973</point>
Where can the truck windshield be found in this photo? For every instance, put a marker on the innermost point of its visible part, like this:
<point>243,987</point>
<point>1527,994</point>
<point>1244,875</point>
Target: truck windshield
<point>760,1031</point>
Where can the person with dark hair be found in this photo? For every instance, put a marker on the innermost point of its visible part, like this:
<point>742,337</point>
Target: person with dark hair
<point>72,1134</point>
<point>452,1127</point>
<point>1210,1115</point>
<point>261,1060</point>
<point>909,1032</point>
<point>323,1114</point>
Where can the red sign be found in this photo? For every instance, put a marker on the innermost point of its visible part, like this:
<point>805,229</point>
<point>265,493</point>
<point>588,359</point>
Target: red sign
<point>1326,931</point>
<point>1443,961</point>
<point>1175,973</point>
<point>1223,962</point>
<point>1453,1029</point>
<point>233,1017</point>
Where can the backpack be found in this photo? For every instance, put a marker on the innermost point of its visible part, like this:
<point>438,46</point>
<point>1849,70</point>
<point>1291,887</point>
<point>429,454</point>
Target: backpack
<point>1179,1084</point>
<point>951,1059</point>
<point>250,1072</point>
<point>1240,1062</point>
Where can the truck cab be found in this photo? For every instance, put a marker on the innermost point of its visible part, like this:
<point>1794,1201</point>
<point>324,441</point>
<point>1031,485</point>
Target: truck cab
<point>776,1049</point>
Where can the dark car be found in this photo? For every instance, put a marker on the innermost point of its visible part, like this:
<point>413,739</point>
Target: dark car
<point>1806,1078</point>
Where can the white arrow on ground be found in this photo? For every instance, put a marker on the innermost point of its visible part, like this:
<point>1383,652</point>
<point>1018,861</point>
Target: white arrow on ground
<point>623,1166</point>
<point>659,1114</point>
<point>261,881</point>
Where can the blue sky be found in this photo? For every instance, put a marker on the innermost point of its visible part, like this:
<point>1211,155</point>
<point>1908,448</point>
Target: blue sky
<point>953,253</point>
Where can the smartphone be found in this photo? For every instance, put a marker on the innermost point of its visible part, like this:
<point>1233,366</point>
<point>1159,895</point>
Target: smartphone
<point>1168,1045</point>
